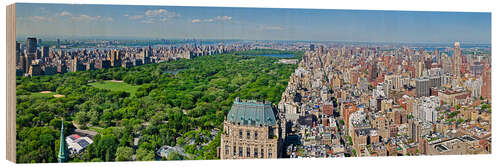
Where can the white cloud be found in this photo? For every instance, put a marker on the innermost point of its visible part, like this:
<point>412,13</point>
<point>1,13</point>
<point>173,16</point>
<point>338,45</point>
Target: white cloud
<point>84,17</point>
<point>153,16</point>
<point>224,18</point>
<point>40,19</point>
<point>275,28</point>
<point>135,17</point>
<point>65,13</point>
<point>160,13</point>
<point>152,13</point>
<point>209,20</point>
<point>87,18</point>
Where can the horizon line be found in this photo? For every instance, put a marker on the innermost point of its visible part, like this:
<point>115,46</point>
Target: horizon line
<point>83,38</point>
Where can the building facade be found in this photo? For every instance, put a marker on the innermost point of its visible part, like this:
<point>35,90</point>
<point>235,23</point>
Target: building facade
<point>251,130</point>
<point>423,87</point>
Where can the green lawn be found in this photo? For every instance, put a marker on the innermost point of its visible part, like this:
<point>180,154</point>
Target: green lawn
<point>116,86</point>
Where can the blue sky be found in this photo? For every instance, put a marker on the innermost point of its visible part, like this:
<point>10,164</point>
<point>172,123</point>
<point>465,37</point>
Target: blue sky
<point>76,21</point>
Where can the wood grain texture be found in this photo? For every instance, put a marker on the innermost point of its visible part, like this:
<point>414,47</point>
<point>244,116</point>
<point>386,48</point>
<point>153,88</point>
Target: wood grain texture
<point>11,83</point>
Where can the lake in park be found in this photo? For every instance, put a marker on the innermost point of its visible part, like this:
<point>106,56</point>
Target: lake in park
<point>275,55</point>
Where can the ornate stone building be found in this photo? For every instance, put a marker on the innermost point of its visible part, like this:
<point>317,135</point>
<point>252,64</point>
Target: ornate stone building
<point>251,130</point>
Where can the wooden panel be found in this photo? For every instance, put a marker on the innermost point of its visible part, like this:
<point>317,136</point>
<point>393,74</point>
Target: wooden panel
<point>11,83</point>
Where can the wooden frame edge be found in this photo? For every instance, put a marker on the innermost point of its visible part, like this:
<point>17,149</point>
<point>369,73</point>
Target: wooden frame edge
<point>11,83</point>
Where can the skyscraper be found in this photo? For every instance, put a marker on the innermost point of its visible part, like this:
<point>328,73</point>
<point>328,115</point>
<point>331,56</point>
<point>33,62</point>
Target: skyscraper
<point>457,59</point>
<point>423,87</point>
<point>18,52</point>
<point>45,51</point>
<point>31,45</point>
<point>39,43</point>
<point>30,51</point>
<point>437,56</point>
<point>486,84</point>
<point>77,65</point>
<point>115,58</point>
<point>373,72</point>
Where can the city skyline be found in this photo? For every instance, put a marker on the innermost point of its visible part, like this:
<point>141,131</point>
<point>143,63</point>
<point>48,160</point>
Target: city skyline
<point>153,22</point>
<point>104,83</point>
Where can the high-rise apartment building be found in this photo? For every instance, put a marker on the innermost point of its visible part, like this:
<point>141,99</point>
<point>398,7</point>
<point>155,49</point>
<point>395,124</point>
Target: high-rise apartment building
<point>311,47</point>
<point>115,58</point>
<point>457,59</point>
<point>486,84</point>
<point>374,70</point>
<point>423,86</point>
<point>45,51</point>
<point>31,45</point>
<point>18,52</point>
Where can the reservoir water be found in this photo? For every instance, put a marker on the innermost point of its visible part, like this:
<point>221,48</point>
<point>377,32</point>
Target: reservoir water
<point>275,55</point>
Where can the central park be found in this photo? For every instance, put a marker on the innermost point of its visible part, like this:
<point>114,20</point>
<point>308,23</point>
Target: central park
<point>136,111</point>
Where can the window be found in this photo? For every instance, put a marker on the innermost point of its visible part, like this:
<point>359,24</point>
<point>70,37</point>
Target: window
<point>240,151</point>
<point>255,153</point>
<point>256,135</point>
<point>241,134</point>
<point>227,149</point>
<point>248,151</point>
<point>270,152</point>
<point>248,135</point>
<point>234,150</point>
<point>262,153</point>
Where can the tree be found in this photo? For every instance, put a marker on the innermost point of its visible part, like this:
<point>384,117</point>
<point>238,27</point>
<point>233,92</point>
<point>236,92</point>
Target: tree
<point>205,90</point>
<point>106,118</point>
<point>81,118</point>
<point>410,116</point>
<point>96,160</point>
<point>45,116</point>
<point>460,120</point>
<point>104,147</point>
<point>124,153</point>
<point>353,152</point>
<point>94,117</point>
<point>145,155</point>
<point>174,156</point>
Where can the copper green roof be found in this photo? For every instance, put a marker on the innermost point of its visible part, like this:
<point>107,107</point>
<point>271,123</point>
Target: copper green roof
<point>251,113</point>
<point>63,155</point>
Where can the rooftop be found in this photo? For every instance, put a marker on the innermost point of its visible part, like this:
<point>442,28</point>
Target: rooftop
<point>252,113</point>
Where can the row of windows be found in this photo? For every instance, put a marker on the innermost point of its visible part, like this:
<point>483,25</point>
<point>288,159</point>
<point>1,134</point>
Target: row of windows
<point>256,135</point>
<point>248,152</point>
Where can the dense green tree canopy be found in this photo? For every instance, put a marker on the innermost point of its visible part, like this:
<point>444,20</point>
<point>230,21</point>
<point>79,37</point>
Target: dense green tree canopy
<point>189,105</point>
